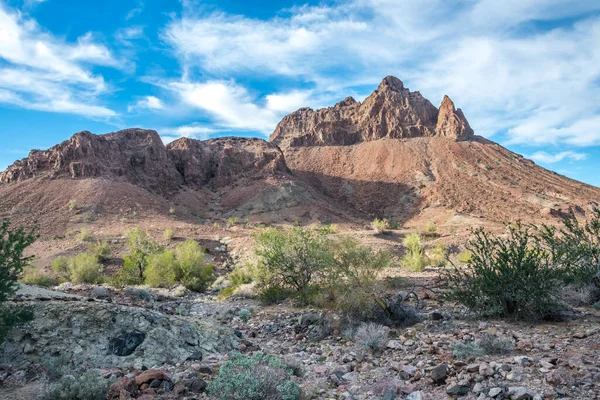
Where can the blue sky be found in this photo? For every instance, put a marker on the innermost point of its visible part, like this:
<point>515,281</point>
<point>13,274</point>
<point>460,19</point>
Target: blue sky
<point>525,72</point>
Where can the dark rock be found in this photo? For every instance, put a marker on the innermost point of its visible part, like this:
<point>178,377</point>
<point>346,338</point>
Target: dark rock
<point>195,356</point>
<point>440,373</point>
<point>458,390</point>
<point>195,385</point>
<point>126,343</point>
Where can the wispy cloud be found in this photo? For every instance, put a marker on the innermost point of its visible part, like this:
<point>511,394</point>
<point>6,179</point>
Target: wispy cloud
<point>545,158</point>
<point>509,65</point>
<point>42,72</point>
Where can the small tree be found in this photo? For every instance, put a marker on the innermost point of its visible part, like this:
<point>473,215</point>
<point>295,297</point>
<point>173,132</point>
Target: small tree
<point>414,259</point>
<point>141,247</point>
<point>13,243</point>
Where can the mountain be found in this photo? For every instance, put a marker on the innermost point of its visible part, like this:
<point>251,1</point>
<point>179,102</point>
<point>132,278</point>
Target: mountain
<point>393,155</point>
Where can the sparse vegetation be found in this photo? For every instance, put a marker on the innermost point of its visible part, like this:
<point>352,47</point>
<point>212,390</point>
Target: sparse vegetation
<point>256,377</point>
<point>171,211</point>
<point>168,234</point>
<point>414,259</point>
<point>232,221</point>
<point>372,336</point>
<point>438,255</point>
<point>85,235</point>
<point>13,242</point>
<point>72,205</point>
<point>380,225</point>
<point>430,228</point>
<point>89,385</point>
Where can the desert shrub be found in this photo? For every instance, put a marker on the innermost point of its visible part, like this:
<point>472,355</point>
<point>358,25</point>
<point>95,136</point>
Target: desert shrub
<point>244,315</point>
<point>88,385</point>
<point>13,242</point>
<point>464,257</point>
<point>372,336</point>
<point>575,247</point>
<point>256,377</point>
<point>72,205</point>
<point>466,350</point>
<point>34,276</point>
<point>171,211</point>
<point>100,250</point>
<point>161,268</point>
<point>192,270</point>
<point>294,258</point>
<point>232,221</point>
<point>85,235</point>
<point>494,345</point>
<point>168,234</point>
<point>414,259</point>
<point>85,268</point>
<point>507,277</point>
<point>60,266</point>
<point>141,247</point>
<point>438,255</point>
<point>241,275</point>
<point>380,225</point>
<point>579,294</point>
<point>273,294</point>
<point>430,228</point>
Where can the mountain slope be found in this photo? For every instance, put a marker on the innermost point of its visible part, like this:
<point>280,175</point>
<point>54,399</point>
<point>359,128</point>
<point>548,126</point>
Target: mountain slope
<point>396,155</point>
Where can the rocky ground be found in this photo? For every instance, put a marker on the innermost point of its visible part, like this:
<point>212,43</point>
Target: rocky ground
<point>432,359</point>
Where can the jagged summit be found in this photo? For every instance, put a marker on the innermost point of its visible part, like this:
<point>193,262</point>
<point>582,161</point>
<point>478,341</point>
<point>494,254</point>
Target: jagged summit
<point>391,111</point>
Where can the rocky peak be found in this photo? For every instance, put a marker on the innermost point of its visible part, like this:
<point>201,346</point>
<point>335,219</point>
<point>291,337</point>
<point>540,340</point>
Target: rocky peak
<point>391,83</point>
<point>391,111</point>
<point>452,123</point>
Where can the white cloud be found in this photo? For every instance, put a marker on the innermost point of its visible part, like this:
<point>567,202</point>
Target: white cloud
<point>46,73</point>
<point>147,102</point>
<point>499,61</point>
<point>545,158</point>
<point>195,131</point>
<point>233,107</point>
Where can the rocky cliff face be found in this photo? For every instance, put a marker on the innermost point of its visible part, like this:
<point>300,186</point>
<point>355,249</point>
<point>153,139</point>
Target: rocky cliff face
<point>138,156</point>
<point>391,111</point>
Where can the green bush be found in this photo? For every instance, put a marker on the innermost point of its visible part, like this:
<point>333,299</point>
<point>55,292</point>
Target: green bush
<point>256,377</point>
<point>380,225</point>
<point>13,242</point>
<point>507,277</point>
<point>60,266</point>
<point>100,250</point>
<point>168,234</point>
<point>86,386</point>
<point>294,258</point>
<point>35,277</point>
<point>85,268</point>
<point>192,270</point>
<point>438,255</point>
<point>574,248</point>
<point>414,259</point>
<point>232,221</point>
<point>161,268</point>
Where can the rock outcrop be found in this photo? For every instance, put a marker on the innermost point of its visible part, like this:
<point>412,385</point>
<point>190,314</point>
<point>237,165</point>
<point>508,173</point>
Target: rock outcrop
<point>391,111</point>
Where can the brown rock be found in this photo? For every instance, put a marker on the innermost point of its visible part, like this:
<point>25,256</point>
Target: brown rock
<point>120,388</point>
<point>150,375</point>
<point>451,123</point>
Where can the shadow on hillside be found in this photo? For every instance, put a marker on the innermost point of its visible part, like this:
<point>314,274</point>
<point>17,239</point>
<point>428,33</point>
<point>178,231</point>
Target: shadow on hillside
<point>369,198</point>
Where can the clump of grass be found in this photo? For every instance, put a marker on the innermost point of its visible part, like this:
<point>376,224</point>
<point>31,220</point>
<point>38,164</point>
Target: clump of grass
<point>72,205</point>
<point>380,225</point>
<point>430,228</point>
<point>171,211</point>
<point>232,221</point>
<point>438,255</point>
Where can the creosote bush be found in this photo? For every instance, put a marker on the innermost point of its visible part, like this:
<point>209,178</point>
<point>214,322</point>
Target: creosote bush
<point>256,377</point>
<point>506,277</point>
<point>35,277</point>
<point>438,255</point>
<point>85,268</point>
<point>192,270</point>
<point>100,250</point>
<point>168,234</point>
<point>160,271</point>
<point>430,228</point>
<point>85,235</point>
<point>141,247</point>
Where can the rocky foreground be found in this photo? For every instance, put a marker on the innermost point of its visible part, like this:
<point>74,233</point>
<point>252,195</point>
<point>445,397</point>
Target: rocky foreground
<point>167,345</point>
